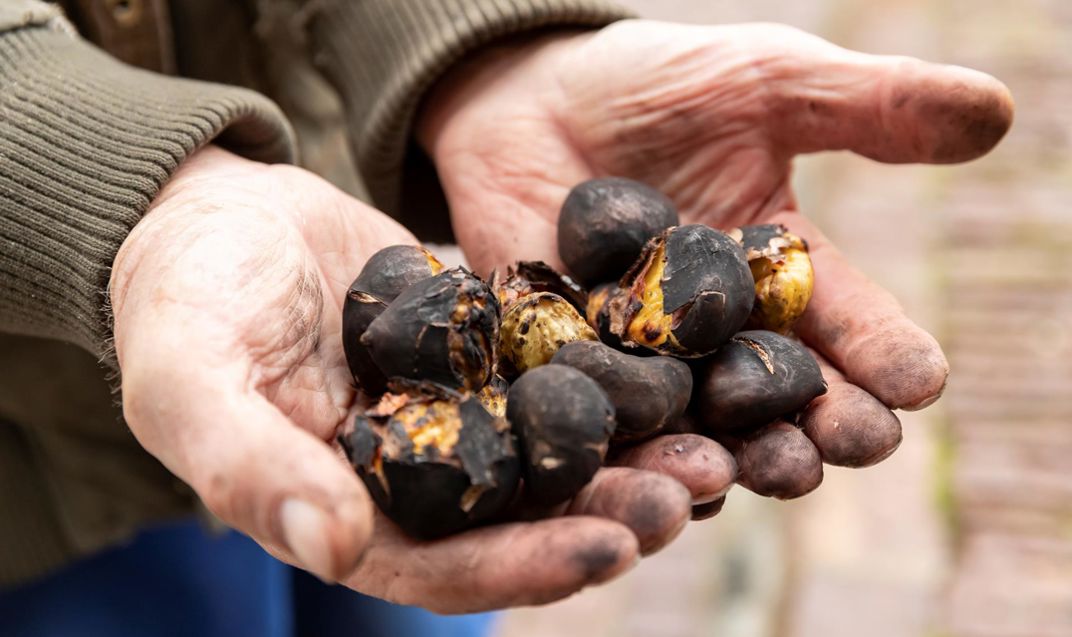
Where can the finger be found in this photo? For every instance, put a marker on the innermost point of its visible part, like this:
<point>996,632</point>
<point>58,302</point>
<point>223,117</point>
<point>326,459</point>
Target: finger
<point>778,461</point>
<point>849,426</point>
<point>654,507</point>
<point>516,564</point>
<point>253,467</point>
<point>709,510</point>
<point>702,465</point>
<point>862,330</point>
<point>889,108</point>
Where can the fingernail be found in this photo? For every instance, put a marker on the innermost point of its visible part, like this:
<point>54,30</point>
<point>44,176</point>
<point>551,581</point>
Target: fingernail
<point>926,402</point>
<point>306,534</point>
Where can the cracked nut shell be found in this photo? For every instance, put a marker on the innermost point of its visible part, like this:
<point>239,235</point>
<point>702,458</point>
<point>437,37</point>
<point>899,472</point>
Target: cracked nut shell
<point>783,275</point>
<point>385,275</point>
<point>754,379</point>
<point>605,223</point>
<point>688,293</point>
<point>564,422</point>
<point>647,393</point>
<point>436,466</point>
<point>441,330</point>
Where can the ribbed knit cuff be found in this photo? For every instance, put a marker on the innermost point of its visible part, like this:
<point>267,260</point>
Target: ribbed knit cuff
<point>86,142</point>
<point>384,55</point>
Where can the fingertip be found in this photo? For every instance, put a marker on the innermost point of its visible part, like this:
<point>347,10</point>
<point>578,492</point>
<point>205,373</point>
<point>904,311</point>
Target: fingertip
<point>653,506</point>
<point>355,520</point>
<point>709,510</point>
<point>903,366</point>
<point>850,427</point>
<point>970,110</point>
<point>703,466</point>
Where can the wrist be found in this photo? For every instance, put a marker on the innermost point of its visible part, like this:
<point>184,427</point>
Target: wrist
<point>523,68</point>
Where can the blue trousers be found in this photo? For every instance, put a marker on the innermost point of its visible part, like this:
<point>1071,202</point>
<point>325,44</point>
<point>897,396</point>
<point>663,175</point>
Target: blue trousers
<point>178,580</point>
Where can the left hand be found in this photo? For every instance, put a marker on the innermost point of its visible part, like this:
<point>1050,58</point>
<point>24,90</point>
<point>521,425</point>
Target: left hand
<point>712,116</point>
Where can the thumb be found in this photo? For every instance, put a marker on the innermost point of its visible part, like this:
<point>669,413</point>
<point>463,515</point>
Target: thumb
<point>252,466</point>
<point>889,108</point>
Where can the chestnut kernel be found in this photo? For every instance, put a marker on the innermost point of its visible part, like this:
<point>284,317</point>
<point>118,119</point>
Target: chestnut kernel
<point>783,275</point>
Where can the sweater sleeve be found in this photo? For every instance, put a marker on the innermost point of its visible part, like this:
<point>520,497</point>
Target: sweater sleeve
<point>86,142</point>
<point>384,55</point>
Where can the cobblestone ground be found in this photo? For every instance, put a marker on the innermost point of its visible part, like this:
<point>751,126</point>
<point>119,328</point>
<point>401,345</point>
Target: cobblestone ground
<point>967,530</point>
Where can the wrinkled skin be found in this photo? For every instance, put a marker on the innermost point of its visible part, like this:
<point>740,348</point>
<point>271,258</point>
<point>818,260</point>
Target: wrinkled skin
<point>227,299</point>
<point>712,116</point>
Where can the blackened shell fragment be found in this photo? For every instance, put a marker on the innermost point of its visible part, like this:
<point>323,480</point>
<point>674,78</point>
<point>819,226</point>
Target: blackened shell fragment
<point>689,292</point>
<point>647,393</point>
<point>441,330</point>
<point>564,422</point>
<point>386,274</point>
<point>531,277</point>
<point>436,467</point>
<point>754,379</point>
<point>605,223</point>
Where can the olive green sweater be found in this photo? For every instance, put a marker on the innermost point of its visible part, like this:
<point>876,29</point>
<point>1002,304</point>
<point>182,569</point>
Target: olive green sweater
<point>87,141</point>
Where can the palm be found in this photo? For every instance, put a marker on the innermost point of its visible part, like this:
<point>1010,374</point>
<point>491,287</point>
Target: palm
<point>228,304</point>
<point>712,116</point>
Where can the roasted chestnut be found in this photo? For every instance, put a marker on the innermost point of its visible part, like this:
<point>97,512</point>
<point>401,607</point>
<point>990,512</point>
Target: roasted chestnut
<point>647,393</point>
<point>755,378</point>
<point>605,223</point>
<point>535,327</point>
<point>383,278</point>
<point>435,466</point>
<point>783,275</point>
<point>441,330</point>
<point>541,312</point>
<point>778,461</point>
<point>564,422</point>
<point>688,293</point>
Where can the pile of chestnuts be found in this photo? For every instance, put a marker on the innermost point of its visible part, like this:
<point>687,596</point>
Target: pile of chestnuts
<point>486,394</point>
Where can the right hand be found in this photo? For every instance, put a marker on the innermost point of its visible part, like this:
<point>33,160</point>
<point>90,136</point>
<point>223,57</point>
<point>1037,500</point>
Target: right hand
<point>227,300</point>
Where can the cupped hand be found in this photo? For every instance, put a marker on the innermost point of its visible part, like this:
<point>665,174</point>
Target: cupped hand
<point>712,116</point>
<point>227,302</point>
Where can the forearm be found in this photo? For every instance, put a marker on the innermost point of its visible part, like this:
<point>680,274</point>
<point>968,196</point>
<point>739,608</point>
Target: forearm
<point>85,145</point>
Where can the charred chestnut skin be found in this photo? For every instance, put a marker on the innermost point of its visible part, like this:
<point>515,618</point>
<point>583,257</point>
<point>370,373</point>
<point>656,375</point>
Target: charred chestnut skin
<point>532,277</point>
<point>440,330</point>
<point>754,379</point>
<point>647,393</point>
<point>604,224</point>
<point>386,274</point>
<point>429,492</point>
<point>688,293</point>
<point>563,421</point>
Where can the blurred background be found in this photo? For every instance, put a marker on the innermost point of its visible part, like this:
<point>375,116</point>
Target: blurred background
<point>967,530</point>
